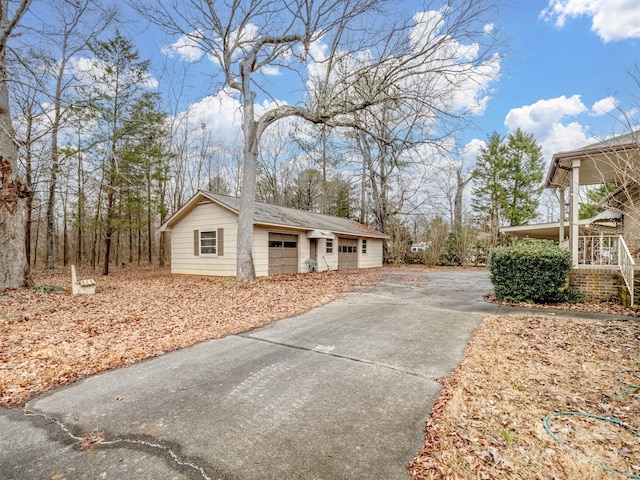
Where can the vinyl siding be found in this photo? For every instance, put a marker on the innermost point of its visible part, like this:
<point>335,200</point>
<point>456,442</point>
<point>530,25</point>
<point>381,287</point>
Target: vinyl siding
<point>204,217</point>
<point>261,248</point>
<point>261,251</point>
<point>327,261</point>
<point>210,216</point>
<point>373,257</point>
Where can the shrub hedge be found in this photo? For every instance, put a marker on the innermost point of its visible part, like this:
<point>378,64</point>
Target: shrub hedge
<point>531,271</point>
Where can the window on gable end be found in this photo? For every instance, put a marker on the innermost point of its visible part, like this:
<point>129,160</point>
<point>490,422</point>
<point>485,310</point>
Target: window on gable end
<point>208,243</point>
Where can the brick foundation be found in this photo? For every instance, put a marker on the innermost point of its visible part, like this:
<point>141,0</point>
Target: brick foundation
<point>597,283</point>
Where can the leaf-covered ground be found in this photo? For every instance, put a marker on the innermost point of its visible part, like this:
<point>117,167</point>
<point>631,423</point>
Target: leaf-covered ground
<point>52,339</point>
<point>517,371</point>
<point>487,424</point>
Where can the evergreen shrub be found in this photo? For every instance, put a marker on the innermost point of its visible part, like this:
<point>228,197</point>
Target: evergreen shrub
<point>531,271</point>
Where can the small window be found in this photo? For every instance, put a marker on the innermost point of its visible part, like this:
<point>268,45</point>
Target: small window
<point>329,246</point>
<point>290,244</point>
<point>275,243</point>
<point>208,243</point>
<point>364,246</point>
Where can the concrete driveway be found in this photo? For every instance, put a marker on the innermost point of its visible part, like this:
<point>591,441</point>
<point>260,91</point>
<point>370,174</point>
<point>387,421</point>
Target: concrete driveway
<point>341,392</point>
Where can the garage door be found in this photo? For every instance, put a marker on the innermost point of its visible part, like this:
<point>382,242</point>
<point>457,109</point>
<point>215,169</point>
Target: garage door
<point>283,253</point>
<point>347,253</point>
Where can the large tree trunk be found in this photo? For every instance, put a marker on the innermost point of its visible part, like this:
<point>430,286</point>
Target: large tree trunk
<point>14,198</point>
<point>246,271</point>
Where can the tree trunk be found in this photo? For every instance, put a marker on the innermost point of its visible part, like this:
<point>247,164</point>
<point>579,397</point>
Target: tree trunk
<point>245,269</point>
<point>109,226</point>
<point>29,183</point>
<point>461,183</point>
<point>161,250</point>
<point>14,199</point>
<point>80,213</point>
<point>51,199</point>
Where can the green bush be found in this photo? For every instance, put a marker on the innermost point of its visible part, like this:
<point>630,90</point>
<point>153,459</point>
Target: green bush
<point>48,288</point>
<point>531,271</point>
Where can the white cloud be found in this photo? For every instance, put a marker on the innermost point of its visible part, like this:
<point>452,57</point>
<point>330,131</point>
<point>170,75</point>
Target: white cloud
<point>546,120</point>
<point>604,106</point>
<point>471,150</point>
<point>186,48</point>
<point>87,70</point>
<point>611,19</point>
<point>221,114</point>
<point>270,70</point>
<point>542,115</point>
<point>463,63</point>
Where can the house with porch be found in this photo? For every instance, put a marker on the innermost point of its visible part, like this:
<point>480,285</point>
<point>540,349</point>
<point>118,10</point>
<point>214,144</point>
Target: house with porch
<point>601,248</point>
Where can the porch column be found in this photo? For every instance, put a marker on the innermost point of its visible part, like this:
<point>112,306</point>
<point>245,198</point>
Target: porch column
<point>574,198</point>
<point>561,221</point>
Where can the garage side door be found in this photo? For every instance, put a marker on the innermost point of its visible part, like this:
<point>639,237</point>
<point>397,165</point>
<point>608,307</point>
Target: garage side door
<point>347,253</point>
<point>283,253</point>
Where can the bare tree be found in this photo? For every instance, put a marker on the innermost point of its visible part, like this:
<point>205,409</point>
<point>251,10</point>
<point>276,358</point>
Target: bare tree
<point>450,181</point>
<point>67,31</point>
<point>323,43</point>
<point>14,195</point>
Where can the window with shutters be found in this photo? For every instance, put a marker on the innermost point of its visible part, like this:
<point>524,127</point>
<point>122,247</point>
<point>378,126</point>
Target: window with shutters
<point>208,243</point>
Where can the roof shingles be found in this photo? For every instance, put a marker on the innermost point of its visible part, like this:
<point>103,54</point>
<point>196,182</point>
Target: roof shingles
<point>290,217</point>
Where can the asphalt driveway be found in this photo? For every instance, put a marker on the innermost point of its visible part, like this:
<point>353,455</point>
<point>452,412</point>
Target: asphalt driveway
<point>341,392</point>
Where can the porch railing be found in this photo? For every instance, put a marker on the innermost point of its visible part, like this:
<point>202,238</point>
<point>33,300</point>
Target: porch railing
<point>607,250</point>
<point>627,265</point>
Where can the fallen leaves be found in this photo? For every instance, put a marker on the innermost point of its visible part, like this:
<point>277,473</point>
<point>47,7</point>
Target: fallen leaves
<point>488,421</point>
<point>49,339</point>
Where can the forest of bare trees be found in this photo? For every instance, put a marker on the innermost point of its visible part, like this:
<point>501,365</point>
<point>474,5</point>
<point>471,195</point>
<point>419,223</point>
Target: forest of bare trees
<point>106,151</point>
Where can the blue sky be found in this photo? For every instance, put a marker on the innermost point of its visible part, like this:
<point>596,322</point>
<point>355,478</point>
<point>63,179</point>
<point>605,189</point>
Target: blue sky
<point>566,64</point>
<point>554,73</point>
<point>564,70</point>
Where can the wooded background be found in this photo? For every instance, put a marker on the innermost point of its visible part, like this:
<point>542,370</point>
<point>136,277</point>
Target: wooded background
<point>107,153</point>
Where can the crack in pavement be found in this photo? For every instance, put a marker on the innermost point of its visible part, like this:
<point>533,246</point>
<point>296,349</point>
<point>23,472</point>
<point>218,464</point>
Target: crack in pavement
<point>156,448</point>
<point>337,355</point>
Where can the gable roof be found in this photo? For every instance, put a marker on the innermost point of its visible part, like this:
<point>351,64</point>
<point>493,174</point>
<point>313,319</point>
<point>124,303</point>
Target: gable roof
<point>273,215</point>
<point>600,162</point>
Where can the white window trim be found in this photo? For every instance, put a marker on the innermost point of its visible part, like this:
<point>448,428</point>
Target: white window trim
<point>208,246</point>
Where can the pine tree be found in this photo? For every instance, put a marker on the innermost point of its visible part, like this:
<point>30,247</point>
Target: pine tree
<point>525,171</point>
<point>490,179</point>
<point>118,86</point>
<point>508,179</point>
